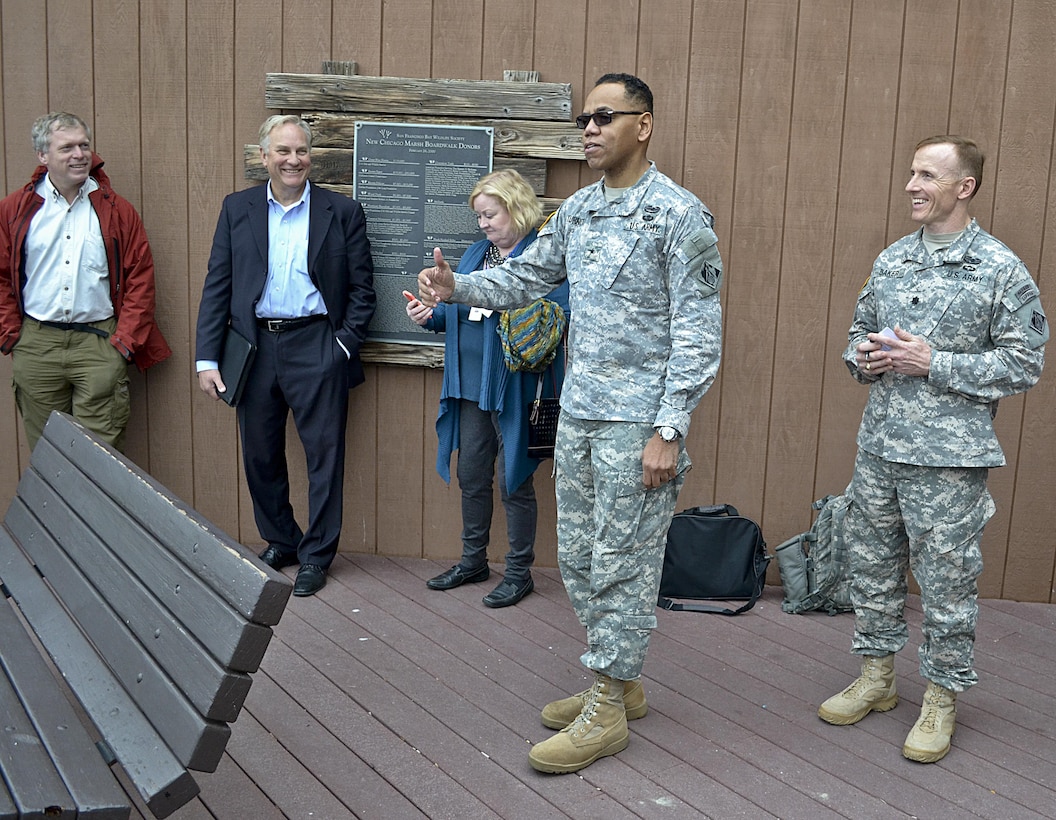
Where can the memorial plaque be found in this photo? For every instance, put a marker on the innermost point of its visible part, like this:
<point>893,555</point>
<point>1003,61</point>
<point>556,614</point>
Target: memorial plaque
<point>413,181</point>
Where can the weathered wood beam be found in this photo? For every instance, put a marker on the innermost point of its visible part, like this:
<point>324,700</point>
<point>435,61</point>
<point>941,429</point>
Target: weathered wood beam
<point>513,138</point>
<point>409,355</point>
<point>336,165</point>
<point>418,97</point>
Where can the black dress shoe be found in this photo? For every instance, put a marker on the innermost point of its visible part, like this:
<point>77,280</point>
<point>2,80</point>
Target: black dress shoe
<point>310,579</point>
<point>276,559</point>
<point>456,576</point>
<point>508,593</point>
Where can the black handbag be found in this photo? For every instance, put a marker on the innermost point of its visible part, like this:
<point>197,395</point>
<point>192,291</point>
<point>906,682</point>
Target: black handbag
<point>713,553</point>
<point>542,421</point>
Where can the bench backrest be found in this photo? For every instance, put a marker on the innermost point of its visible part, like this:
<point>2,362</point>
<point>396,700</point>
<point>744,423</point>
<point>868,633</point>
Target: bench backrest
<point>179,612</point>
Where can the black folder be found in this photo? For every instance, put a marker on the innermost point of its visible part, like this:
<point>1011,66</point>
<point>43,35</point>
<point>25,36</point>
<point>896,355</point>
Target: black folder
<point>235,361</point>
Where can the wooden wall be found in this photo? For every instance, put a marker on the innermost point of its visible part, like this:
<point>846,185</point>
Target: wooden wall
<point>794,121</point>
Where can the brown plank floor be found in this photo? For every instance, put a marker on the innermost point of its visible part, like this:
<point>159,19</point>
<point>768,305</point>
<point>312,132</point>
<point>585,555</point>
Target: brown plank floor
<point>380,698</point>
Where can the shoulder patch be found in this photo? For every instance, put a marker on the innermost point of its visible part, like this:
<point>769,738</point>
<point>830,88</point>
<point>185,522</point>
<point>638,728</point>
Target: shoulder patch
<point>1025,305</point>
<point>1026,293</point>
<point>700,251</point>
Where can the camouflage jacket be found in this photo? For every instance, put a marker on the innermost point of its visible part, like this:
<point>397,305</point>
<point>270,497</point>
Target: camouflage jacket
<point>644,273</point>
<point>979,309</point>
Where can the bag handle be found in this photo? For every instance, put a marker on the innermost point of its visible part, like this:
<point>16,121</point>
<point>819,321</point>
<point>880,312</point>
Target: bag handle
<point>714,509</point>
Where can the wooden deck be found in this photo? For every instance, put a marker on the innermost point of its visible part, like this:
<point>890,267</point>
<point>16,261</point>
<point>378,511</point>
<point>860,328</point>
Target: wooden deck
<point>380,698</point>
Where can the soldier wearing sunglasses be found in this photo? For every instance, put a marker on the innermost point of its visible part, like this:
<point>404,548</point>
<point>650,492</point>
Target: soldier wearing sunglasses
<point>644,272</point>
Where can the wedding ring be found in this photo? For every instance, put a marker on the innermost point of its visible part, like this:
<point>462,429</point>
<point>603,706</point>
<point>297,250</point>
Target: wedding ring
<point>868,366</point>
<point>867,355</point>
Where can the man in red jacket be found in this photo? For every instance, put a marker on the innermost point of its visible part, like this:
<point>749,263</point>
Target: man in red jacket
<point>76,287</point>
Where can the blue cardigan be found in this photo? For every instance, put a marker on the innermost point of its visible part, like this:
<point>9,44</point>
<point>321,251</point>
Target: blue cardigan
<point>515,391</point>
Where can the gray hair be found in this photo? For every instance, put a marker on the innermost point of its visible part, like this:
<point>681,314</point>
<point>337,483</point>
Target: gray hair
<point>274,121</point>
<point>40,133</point>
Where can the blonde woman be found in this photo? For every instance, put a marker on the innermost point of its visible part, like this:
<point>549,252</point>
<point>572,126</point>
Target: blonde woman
<point>484,406</point>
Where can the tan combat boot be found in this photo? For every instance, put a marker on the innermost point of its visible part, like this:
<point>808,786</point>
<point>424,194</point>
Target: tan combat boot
<point>559,713</point>
<point>873,691</point>
<point>600,729</point>
<point>929,739</point>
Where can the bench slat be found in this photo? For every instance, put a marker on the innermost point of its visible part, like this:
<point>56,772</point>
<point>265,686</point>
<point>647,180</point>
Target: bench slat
<point>30,775</point>
<point>250,586</point>
<point>183,596</point>
<point>91,579</point>
<point>158,776</point>
<point>44,743</point>
<point>7,804</point>
<point>196,742</point>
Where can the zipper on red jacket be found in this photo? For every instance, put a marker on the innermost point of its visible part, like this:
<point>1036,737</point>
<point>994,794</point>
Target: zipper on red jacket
<point>117,256</point>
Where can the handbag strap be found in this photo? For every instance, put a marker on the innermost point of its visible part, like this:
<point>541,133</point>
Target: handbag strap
<point>553,382</point>
<point>674,606</point>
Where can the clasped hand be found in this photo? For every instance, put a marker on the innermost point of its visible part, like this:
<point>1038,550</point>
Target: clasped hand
<point>906,354</point>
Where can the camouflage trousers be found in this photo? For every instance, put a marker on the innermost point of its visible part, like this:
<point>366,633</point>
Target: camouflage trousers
<point>611,536</point>
<point>929,520</point>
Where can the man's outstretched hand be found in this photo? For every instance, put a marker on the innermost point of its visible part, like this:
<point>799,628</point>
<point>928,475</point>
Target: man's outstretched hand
<point>436,284</point>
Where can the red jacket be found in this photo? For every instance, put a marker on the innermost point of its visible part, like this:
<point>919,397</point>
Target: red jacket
<point>131,264</point>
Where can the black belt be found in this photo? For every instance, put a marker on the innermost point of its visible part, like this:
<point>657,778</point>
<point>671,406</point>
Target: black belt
<point>282,325</point>
<point>81,327</point>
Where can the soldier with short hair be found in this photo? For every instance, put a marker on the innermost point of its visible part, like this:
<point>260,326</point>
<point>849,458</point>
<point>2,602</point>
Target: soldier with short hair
<point>644,271</point>
<point>949,322</point>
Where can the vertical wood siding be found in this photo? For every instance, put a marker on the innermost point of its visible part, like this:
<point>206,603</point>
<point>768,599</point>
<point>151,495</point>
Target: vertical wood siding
<point>793,121</point>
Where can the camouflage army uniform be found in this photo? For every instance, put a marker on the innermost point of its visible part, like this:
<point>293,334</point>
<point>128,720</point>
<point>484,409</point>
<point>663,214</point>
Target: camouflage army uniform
<point>926,443</point>
<point>644,340</point>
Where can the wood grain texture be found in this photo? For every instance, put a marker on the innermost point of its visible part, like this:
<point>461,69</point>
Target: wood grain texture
<point>380,692</point>
<point>529,101</point>
<point>519,138</point>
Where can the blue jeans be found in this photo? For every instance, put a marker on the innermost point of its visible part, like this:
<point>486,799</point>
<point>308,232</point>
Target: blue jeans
<point>480,449</point>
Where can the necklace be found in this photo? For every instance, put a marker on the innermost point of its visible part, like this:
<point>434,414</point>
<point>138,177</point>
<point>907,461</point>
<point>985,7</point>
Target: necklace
<point>493,257</point>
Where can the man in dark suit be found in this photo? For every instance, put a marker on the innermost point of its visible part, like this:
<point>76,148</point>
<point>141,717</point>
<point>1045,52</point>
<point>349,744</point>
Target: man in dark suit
<point>290,270</point>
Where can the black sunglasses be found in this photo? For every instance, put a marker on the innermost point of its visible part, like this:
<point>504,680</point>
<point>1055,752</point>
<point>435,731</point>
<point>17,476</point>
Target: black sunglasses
<point>600,118</point>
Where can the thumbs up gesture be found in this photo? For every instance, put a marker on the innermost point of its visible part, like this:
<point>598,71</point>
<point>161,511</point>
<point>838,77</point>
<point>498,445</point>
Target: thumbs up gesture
<point>436,284</point>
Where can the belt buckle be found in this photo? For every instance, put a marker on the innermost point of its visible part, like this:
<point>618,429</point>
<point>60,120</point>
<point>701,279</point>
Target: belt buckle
<point>275,325</point>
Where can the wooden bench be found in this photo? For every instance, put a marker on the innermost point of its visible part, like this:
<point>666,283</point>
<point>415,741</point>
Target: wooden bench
<point>151,618</point>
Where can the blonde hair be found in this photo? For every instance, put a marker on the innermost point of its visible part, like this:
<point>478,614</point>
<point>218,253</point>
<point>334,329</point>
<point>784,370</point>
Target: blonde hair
<point>516,195</point>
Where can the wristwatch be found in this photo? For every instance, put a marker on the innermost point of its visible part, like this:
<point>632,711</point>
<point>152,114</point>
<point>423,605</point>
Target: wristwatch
<point>667,433</point>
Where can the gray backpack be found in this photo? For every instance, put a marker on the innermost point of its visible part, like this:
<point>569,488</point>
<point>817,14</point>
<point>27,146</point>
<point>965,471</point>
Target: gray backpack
<point>814,565</point>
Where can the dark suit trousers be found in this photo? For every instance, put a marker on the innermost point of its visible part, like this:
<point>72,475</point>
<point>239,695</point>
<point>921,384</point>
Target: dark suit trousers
<point>306,372</point>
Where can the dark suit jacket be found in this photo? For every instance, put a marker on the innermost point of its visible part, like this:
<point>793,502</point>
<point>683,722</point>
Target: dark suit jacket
<point>339,263</point>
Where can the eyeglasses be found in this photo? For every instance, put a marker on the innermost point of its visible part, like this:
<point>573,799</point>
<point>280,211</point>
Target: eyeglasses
<point>600,118</point>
